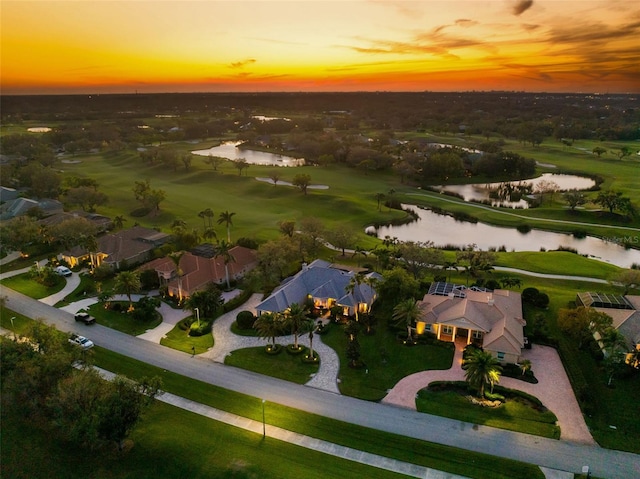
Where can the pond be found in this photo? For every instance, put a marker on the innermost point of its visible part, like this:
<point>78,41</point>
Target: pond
<point>39,129</point>
<point>481,191</point>
<point>444,230</point>
<point>231,151</point>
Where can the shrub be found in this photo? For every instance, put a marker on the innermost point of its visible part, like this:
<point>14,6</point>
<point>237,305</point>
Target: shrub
<point>245,320</point>
<point>529,295</point>
<point>185,324</point>
<point>541,301</point>
<point>149,279</point>
<point>204,328</point>
<point>523,228</point>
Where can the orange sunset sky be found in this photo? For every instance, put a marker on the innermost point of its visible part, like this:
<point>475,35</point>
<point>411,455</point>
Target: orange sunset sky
<point>117,46</point>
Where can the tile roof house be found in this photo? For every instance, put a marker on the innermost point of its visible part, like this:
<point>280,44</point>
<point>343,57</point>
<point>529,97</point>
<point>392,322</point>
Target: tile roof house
<point>624,311</point>
<point>491,319</point>
<point>199,271</point>
<point>21,206</point>
<point>327,285</point>
<point>130,246</point>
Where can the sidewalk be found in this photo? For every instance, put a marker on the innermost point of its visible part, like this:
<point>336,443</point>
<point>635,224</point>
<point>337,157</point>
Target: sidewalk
<point>301,440</point>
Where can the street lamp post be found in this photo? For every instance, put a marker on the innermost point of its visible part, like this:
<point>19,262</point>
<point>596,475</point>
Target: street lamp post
<point>197,315</point>
<point>264,426</point>
<point>13,327</point>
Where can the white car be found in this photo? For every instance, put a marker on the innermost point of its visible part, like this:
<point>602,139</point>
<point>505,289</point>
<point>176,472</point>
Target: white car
<point>63,271</point>
<point>81,341</point>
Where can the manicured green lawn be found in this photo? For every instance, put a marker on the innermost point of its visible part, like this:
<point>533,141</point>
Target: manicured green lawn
<point>180,340</point>
<point>455,461</point>
<point>25,285</point>
<point>386,361</point>
<point>283,365</point>
<point>171,443</point>
<point>514,414</point>
<point>120,320</point>
<point>557,262</point>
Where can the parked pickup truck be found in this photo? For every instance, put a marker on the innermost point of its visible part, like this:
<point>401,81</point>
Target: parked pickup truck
<point>84,317</point>
<point>81,341</point>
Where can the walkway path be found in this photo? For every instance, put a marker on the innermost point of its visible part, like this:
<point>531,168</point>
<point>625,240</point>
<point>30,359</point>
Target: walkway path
<point>226,342</point>
<point>553,389</point>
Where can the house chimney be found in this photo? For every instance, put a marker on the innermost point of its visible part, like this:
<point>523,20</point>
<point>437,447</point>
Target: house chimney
<point>490,301</point>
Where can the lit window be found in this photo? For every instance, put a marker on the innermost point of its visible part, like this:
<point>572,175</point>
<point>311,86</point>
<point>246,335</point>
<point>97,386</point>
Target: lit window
<point>447,329</point>
<point>500,356</point>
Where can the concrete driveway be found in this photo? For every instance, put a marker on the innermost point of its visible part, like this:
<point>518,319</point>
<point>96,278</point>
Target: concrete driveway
<point>553,389</point>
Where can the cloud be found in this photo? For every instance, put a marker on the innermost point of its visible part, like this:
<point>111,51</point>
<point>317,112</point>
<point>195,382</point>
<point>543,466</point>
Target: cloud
<point>465,22</point>
<point>242,64</point>
<point>521,6</point>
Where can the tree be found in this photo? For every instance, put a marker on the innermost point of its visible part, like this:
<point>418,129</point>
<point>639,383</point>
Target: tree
<point>407,313</point>
<point>214,161</point>
<point>418,256</point>
<point>18,232</point>
<point>69,232</point>
<point>351,329</point>
<point>227,257</point>
<point>510,282</point>
<point>208,301</point>
<point>609,199</point>
<point>481,370</point>
<point>309,326</point>
<point>580,323</point>
<point>525,365</point>
<point>275,177</point>
<point>311,231</point>
<point>118,221</point>
<point>155,198</point>
<point>287,228</point>
<point>547,187</point>
<point>628,278</point>
<point>379,198</point>
<point>226,218</point>
<point>269,325</point>
<point>598,150</point>
<point>624,151</point>
<point>240,165</point>
<point>121,408</point>
<point>186,160</point>
<point>127,282</point>
<point>614,347</point>
<point>341,237</point>
<point>86,197</point>
<point>175,257</point>
<point>575,199</point>
<point>294,319</point>
<point>302,181</point>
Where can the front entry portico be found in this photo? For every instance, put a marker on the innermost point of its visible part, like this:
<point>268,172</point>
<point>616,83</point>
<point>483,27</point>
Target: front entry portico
<point>450,333</point>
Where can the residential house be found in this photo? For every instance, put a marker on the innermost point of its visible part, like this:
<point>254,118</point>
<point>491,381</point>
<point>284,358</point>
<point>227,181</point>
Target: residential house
<point>624,311</point>
<point>21,206</point>
<point>102,223</point>
<point>126,247</point>
<point>327,285</point>
<point>199,271</point>
<point>490,319</point>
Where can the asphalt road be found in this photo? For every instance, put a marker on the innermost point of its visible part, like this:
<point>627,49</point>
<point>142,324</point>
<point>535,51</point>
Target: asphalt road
<point>554,454</point>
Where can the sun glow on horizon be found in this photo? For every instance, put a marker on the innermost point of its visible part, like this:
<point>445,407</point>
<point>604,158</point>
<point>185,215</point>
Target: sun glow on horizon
<point>341,45</point>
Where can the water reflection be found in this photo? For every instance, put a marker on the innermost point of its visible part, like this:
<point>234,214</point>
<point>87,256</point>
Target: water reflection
<point>231,151</point>
<point>444,230</point>
<point>482,191</point>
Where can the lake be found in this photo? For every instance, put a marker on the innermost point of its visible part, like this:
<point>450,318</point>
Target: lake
<point>444,230</point>
<point>480,191</point>
<point>231,151</point>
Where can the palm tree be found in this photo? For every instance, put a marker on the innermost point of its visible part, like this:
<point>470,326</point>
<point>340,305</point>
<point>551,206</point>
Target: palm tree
<point>295,317</point>
<point>379,198</point>
<point>407,312</point>
<point>525,365</point>
<point>127,282</point>
<point>309,326</point>
<point>201,214</point>
<point>448,266</point>
<point>208,213</point>
<point>210,233</point>
<point>227,257</point>
<point>482,369</point>
<point>118,221</point>
<point>269,325</point>
<point>225,217</point>
<point>176,257</point>
<point>511,281</point>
